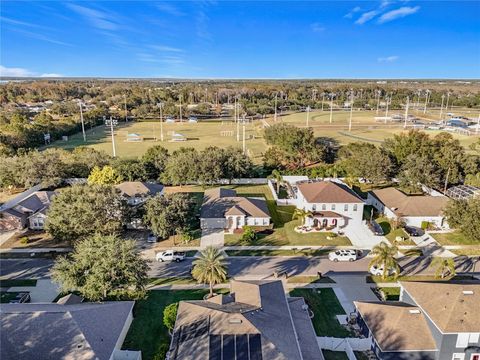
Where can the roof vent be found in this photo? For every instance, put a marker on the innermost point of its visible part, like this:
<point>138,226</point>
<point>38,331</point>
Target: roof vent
<point>467,292</point>
<point>414,311</point>
<point>235,321</point>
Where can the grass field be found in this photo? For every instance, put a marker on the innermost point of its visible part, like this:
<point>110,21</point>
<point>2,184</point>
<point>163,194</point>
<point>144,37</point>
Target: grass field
<point>203,134</point>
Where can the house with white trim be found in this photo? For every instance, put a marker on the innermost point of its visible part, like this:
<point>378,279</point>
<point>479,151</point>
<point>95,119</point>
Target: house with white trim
<point>432,321</point>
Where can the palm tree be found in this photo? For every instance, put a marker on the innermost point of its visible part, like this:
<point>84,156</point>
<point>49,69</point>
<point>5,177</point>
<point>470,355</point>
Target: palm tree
<point>302,214</point>
<point>277,177</point>
<point>384,256</point>
<point>210,268</point>
<point>445,266</point>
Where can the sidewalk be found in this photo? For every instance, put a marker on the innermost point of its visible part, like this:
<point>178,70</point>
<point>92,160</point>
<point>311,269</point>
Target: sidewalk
<point>44,292</point>
<point>430,247</point>
<point>34,250</point>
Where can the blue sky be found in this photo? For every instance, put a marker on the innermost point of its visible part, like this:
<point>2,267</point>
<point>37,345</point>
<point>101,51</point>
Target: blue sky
<point>227,39</point>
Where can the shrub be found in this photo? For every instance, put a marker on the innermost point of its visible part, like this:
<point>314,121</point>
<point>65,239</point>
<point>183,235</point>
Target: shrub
<point>24,240</point>
<point>170,316</point>
<point>425,225</point>
<point>249,236</point>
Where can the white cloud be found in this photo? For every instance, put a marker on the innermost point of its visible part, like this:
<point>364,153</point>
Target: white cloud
<point>18,22</point>
<point>166,48</point>
<point>388,59</point>
<point>99,19</point>
<point>169,9</point>
<point>317,27</point>
<point>398,13</point>
<point>385,3</point>
<point>367,16</point>
<point>352,12</point>
<point>22,72</point>
<point>14,72</point>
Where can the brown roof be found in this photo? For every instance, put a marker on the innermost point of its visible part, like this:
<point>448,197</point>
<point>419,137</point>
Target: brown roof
<point>404,205</point>
<point>138,188</point>
<point>397,326</point>
<point>447,305</point>
<point>328,192</point>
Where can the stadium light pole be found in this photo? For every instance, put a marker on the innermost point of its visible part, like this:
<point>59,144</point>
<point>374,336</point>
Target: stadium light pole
<point>125,102</point>
<point>237,119</point>
<point>323,99</point>
<point>160,105</point>
<point>386,109</point>
<point>351,112</point>
<point>83,124</point>
<point>331,108</point>
<point>180,98</point>
<point>378,100</point>
<point>441,107</point>
<point>426,102</point>
<point>308,114</point>
<point>446,106</point>
<point>406,112</point>
<point>113,138</point>
<point>244,145</point>
<point>275,116</point>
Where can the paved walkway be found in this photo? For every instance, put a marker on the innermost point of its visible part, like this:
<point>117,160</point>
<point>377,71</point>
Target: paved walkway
<point>350,288</point>
<point>4,236</point>
<point>430,247</point>
<point>44,292</point>
<point>212,237</point>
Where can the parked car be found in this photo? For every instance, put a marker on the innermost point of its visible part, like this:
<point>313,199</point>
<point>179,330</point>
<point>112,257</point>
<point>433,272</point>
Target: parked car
<point>170,120</point>
<point>192,119</point>
<point>152,238</point>
<point>375,228</point>
<point>413,231</point>
<point>377,270</point>
<point>22,297</point>
<point>343,255</point>
<point>170,255</point>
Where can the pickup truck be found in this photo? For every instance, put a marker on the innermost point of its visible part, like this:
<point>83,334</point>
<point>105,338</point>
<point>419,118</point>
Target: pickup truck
<point>170,255</point>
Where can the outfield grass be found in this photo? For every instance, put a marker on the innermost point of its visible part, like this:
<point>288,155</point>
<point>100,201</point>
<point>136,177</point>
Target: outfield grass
<point>453,238</point>
<point>325,306</point>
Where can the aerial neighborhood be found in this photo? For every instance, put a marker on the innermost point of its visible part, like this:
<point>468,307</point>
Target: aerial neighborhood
<point>231,180</point>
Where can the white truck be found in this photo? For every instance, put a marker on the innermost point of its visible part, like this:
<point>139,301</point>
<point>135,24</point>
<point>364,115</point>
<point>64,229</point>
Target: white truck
<point>170,255</point>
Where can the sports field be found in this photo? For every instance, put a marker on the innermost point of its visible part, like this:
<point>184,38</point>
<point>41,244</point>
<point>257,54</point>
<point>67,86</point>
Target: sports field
<point>203,134</point>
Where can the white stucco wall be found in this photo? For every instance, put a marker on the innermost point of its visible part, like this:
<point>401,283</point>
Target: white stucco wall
<point>417,221</point>
<point>258,221</point>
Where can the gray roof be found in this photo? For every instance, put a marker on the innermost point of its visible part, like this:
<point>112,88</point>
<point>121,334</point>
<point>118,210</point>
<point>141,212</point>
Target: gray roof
<point>219,202</point>
<point>39,200</point>
<point>257,310</point>
<point>52,331</point>
<point>138,188</point>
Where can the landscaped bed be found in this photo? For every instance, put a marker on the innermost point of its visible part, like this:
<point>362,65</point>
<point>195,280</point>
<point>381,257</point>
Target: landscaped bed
<point>387,293</point>
<point>266,252</point>
<point>325,306</point>
<point>33,239</point>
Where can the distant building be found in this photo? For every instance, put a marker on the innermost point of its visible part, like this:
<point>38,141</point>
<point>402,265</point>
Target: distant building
<point>413,209</point>
<point>255,321</point>
<point>463,192</point>
<point>137,192</point>
<point>432,321</point>
<point>86,331</point>
<point>224,209</point>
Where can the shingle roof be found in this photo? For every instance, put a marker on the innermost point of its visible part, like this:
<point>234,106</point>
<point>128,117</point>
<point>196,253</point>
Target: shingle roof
<point>219,202</point>
<point>447,305</point>
<point>138,188</point>
<point>404,205</point>
<point>53,331</point>
<point>328,192</point>
<point>397,326</point>
<point>35,202</point>
<point>259,308</point>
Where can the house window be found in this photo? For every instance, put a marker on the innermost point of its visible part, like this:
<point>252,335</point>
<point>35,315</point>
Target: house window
<point>355,207</point>
<point>474,338</point>
<point>314,207</point>
<point>345,207</point>
<point>324,207</point>
<point>462,340</point>
<point>458,356</point>
<point>333,206</point>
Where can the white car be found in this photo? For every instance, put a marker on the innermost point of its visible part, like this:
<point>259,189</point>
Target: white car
<point>343,255</point>
<point>170,255</point>
<point>377,270</point>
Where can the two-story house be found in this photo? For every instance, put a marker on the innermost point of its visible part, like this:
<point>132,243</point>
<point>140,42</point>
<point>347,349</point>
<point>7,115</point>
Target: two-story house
<point>432,321</point>
<point>332,204</point>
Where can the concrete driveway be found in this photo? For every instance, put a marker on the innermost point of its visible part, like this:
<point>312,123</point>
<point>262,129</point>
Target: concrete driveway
<point>212,237</point>
<point>361,237</point>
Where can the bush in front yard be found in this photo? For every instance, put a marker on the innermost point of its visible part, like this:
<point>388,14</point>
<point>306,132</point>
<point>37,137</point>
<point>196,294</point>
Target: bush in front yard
<point>170,316</point>
<point>24,240</point>
<point>249,236</point>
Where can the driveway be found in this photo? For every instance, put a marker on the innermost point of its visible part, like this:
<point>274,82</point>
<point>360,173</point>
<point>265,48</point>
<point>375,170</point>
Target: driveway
<point>361,237</point>
<point>212,237</point>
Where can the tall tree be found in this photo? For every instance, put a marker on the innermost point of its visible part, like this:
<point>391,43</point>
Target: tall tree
<point>302,214</point>
<point>82,210</point>
<point>155,160</point>
<point>104,176</point>
<point>366,161</point>
<point>277,177</point>
<point>101,267</point>
<point>384,256</point>
<point>464,215</point>
<point>417,170</point>
<point>444,267</point>
<point>210,267</point>
<point>181,167</point>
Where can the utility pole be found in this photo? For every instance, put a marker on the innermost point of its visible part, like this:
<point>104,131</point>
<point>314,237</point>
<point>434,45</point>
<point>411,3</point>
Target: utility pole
<point>378,100</point>
<point>351,112</point>
<point>244,145</point>
<point>125,101</point>
<point>331,108</point>
<point>237,120</point>
<point>83,125</point>
<point>275,116</point>
<point>160,105</point>
<point>308,114</point>
<point>406,111</point>
<point>113,138</point>
<point>426,102</point>
<point>386,109</point>
<point>441,107</point>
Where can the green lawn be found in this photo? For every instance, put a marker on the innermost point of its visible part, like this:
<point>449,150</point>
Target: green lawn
<point>310,279</point>
<point>389,279</point>
<point>18,282</point>
<point>147,332</point>
<point>171,281</point>
<point>470,251</point>
<point>334,355</point>
<point>325,306</point>
<point>300,252</point>
<point>390,293</point>
<point>392,234</point>
<point>453,238</point>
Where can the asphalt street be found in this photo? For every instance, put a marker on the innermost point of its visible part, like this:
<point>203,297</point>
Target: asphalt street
<point>251,267</point>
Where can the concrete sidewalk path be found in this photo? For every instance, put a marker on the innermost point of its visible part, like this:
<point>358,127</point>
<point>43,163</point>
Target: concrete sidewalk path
<point>430,247</point>
<point>45,291</point>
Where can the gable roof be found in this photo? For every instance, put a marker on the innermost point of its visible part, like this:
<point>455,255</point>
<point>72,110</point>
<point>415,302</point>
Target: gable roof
<point>219,202</point>
<point>447,305</point>
<point>404,205</point>
<point>84,331</point>
<point>397,326</point>
<point>39,200</point>
<point>328,192</point>
<point>138,188</point>
<point>257,311</point>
